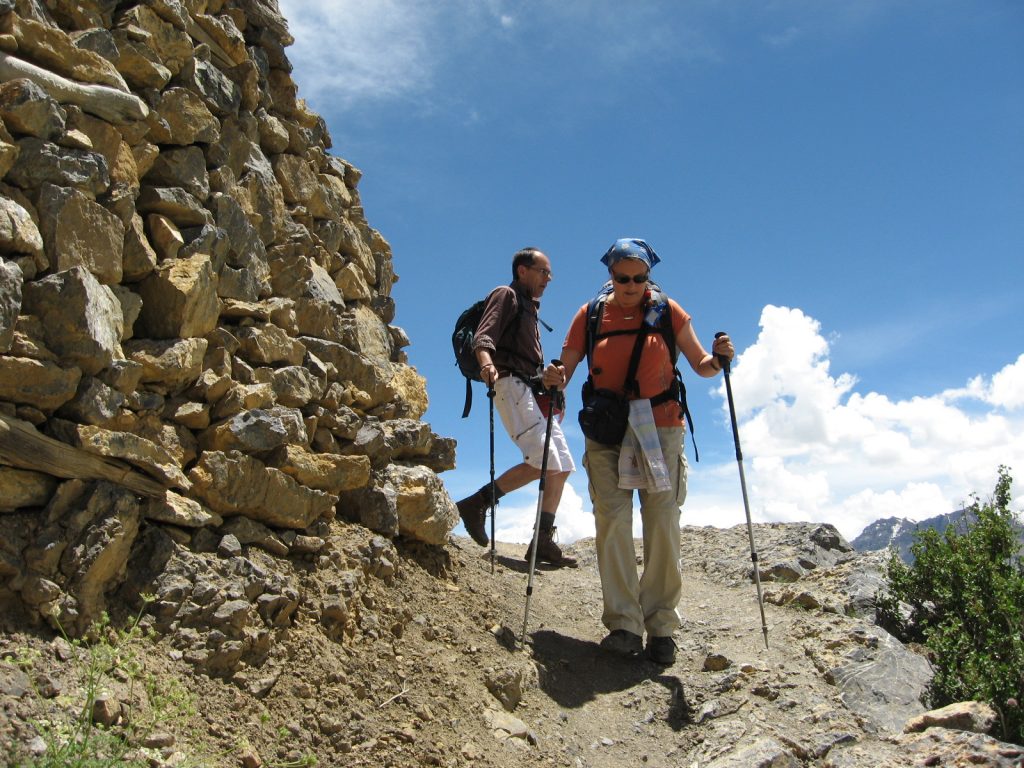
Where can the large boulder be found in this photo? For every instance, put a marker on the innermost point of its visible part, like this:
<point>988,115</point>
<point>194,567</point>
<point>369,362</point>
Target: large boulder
<point>328,472</point>
<point>425,510</point>
<point>79,232</point>
<point>884,682</point>
<point>179,299</point>
<point>168,366</point>
<point>82,319</point>
<point>42,162</point>
<point>99,540</point>
<point>235,484</point>
<point>19,235</point>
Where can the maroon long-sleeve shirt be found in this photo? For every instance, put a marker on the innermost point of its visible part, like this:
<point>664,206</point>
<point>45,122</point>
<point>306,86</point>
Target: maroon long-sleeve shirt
<point>514,343</point>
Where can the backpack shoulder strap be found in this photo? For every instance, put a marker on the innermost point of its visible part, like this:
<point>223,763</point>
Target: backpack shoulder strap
<point>471,315</point>
<point>595,311</point>
<point>659,297</point>
<point>677,391</point>
<point>510,329</point>
<point>631,385</point>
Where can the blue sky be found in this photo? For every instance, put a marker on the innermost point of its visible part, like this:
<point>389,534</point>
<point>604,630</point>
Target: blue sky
<point>840,185</point>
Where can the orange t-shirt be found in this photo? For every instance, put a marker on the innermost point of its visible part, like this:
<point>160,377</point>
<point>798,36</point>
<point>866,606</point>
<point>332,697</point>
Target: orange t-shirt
<point>611,355</point>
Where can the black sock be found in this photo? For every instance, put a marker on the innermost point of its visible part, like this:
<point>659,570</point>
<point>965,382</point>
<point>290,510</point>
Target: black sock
<point>547,521</point>
<point>485,491</point>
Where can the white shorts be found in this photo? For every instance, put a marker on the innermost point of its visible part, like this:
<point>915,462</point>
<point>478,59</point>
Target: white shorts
<point>527,426</point>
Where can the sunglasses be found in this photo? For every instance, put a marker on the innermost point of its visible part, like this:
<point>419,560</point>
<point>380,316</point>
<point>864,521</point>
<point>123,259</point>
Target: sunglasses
<point>623,279</point>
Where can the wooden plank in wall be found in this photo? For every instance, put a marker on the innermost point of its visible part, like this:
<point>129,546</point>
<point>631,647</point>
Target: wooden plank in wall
<point>23,446</point>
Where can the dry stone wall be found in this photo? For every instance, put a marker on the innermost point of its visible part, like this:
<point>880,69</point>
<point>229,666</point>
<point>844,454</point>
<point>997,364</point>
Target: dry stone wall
<point>196,342</point>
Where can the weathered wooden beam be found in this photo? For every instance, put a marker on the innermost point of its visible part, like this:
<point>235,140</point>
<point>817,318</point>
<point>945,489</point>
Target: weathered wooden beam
<point>21,445</point>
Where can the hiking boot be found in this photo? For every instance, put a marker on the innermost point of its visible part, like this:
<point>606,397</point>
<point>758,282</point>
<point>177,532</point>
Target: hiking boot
<point>661,650</point>
<point>473,511</point>
<point>549,552</point>
<point>623,642</point>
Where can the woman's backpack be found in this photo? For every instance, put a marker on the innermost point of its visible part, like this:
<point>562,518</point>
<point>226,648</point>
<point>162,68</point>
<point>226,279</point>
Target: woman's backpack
<point>657,318</point>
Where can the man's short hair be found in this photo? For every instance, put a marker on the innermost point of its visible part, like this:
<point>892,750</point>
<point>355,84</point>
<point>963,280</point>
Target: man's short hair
<point>524,258</point>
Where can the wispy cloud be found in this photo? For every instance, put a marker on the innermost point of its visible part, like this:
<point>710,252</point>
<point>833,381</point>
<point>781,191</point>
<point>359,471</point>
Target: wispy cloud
<point>349,50</point>
<point>783,39</point>
<point>905,326</point>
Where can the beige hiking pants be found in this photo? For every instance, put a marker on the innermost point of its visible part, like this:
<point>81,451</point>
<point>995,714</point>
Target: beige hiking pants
<point>631,601</point>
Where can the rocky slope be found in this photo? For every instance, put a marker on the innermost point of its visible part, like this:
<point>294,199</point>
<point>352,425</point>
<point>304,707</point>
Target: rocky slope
<point>405,655</point>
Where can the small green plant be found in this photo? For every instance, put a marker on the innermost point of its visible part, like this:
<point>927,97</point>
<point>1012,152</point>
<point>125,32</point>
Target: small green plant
<point>73,739</point>
<point>965,592</point>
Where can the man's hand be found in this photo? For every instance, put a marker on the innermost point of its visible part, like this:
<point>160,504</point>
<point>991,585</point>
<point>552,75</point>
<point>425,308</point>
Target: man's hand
<point>489,374</point>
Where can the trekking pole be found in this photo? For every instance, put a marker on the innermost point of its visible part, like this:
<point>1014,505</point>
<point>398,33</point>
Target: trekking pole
<point>490,397</point>
<point>725,363</point>
<point>540,501</point>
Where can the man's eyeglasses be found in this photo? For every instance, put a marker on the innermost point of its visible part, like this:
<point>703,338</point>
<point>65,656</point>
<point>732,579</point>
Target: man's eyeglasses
<point>543,270</point>
<point>623,279</point>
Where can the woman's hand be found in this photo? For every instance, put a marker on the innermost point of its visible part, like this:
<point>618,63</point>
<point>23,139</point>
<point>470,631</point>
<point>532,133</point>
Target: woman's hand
<point>554,376</point>
<point>722,347</point>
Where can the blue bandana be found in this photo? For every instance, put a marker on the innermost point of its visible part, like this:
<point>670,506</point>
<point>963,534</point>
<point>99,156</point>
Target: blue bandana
<point>630,248</point>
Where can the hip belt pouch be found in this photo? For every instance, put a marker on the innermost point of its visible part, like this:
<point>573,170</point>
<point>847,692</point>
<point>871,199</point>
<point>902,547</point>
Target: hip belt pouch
<point>604,416</point>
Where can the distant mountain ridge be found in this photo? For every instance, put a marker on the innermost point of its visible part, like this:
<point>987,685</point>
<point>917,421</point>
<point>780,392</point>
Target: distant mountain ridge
<point>899,532</point>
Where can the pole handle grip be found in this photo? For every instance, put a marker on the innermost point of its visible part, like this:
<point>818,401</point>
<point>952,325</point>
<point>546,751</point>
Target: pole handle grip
<point>553,390</point>
<point>723,361</point>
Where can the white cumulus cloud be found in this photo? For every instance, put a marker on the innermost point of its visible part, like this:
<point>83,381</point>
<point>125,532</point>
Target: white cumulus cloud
<point>819,450</point>
<point>1004,390</point>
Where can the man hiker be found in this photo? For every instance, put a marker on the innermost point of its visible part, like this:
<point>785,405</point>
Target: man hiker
<point>507,346</point>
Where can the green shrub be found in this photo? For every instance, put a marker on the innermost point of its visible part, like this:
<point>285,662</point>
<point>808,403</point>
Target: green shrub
<point>965,592</point>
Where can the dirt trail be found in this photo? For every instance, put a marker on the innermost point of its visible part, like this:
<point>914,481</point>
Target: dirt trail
<point>594,709</point>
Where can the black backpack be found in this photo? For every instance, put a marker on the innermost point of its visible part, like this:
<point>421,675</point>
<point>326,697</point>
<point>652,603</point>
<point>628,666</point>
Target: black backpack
<point>462,343</point>
<point>676,392</point>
